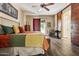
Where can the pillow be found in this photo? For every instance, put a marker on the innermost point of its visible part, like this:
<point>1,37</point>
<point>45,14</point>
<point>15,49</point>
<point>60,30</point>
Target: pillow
<point>8,30</point>
<point>16,29</point>
<point>21,30</point>
<point>1,30</point>
<point>4,41</point>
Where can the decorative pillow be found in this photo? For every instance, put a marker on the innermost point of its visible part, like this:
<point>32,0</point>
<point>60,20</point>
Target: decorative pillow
<point>1,30</point>
<point>4,41</point>
<point>16,29</point>
<point>21,30</point>
<point>8,30</point>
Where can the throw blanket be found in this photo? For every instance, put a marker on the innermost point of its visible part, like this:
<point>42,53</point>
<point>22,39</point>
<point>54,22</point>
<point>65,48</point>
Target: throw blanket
<point>36,40</point>
<point>4,41</point>
<point>17,40</point>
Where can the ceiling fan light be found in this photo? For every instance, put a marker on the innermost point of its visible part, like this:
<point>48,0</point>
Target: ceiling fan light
<point>40,10</point>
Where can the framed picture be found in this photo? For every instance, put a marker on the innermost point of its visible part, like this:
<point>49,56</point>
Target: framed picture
<point>8,9</point>
<point>48,24</point>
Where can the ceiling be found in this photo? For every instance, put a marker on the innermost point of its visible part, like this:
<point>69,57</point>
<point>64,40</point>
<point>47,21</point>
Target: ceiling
<point>35,9</point>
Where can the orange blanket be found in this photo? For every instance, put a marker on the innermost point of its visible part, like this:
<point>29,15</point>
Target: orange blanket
<point>45,45</point>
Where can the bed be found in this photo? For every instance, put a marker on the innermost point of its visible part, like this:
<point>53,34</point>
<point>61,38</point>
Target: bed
<point>27,44</point>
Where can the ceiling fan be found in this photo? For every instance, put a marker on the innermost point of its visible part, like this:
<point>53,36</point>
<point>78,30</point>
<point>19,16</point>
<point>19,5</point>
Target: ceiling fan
<point>43,5</point>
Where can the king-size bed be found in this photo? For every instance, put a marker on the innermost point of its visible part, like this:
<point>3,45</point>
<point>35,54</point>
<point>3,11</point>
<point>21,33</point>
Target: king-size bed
<point>26,44</point>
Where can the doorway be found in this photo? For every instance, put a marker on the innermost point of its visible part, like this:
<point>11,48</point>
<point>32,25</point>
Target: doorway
<point>36,24</point>
<point>43,26</point>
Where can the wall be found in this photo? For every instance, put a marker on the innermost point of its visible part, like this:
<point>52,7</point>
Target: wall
<point>55,26</point>
<point>66,22</point>
<point>29,20</point>
<point>66,30</point>
<point>15,21</point>
<point>7,22</point>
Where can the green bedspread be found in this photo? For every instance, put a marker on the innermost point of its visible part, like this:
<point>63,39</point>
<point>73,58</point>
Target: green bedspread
<point>17,40</point>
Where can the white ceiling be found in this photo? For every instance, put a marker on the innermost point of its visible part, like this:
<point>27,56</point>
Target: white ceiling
<point>35,9</point>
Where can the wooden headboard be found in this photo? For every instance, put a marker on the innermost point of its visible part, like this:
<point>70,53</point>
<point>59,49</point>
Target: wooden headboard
<point>8,22</point>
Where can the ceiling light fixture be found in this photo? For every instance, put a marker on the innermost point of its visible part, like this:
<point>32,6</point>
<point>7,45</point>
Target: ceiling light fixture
<point>40,10</point>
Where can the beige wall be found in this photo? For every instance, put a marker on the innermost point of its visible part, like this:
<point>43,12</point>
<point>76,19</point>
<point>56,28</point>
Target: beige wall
<point>7,22</point>
<point>29,20</point>
<point>66,31</point>
<point>55,28</point>
<point>66,22</point>
<point>15,21</point>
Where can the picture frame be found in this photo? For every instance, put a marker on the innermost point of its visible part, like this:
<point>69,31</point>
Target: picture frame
<point>48,24</point>
<point>8,9</point>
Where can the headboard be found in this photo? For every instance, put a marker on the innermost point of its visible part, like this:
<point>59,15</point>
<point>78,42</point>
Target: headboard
<point>8,22</point>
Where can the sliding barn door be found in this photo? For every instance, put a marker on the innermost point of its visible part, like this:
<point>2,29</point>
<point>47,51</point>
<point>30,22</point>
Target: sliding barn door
<point>36,24</point>
<point>75,23</point>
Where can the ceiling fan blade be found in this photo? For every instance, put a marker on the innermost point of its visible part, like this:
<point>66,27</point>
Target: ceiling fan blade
<point>48,4</point>
<point>44,5</point>
<point>46,8</point>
